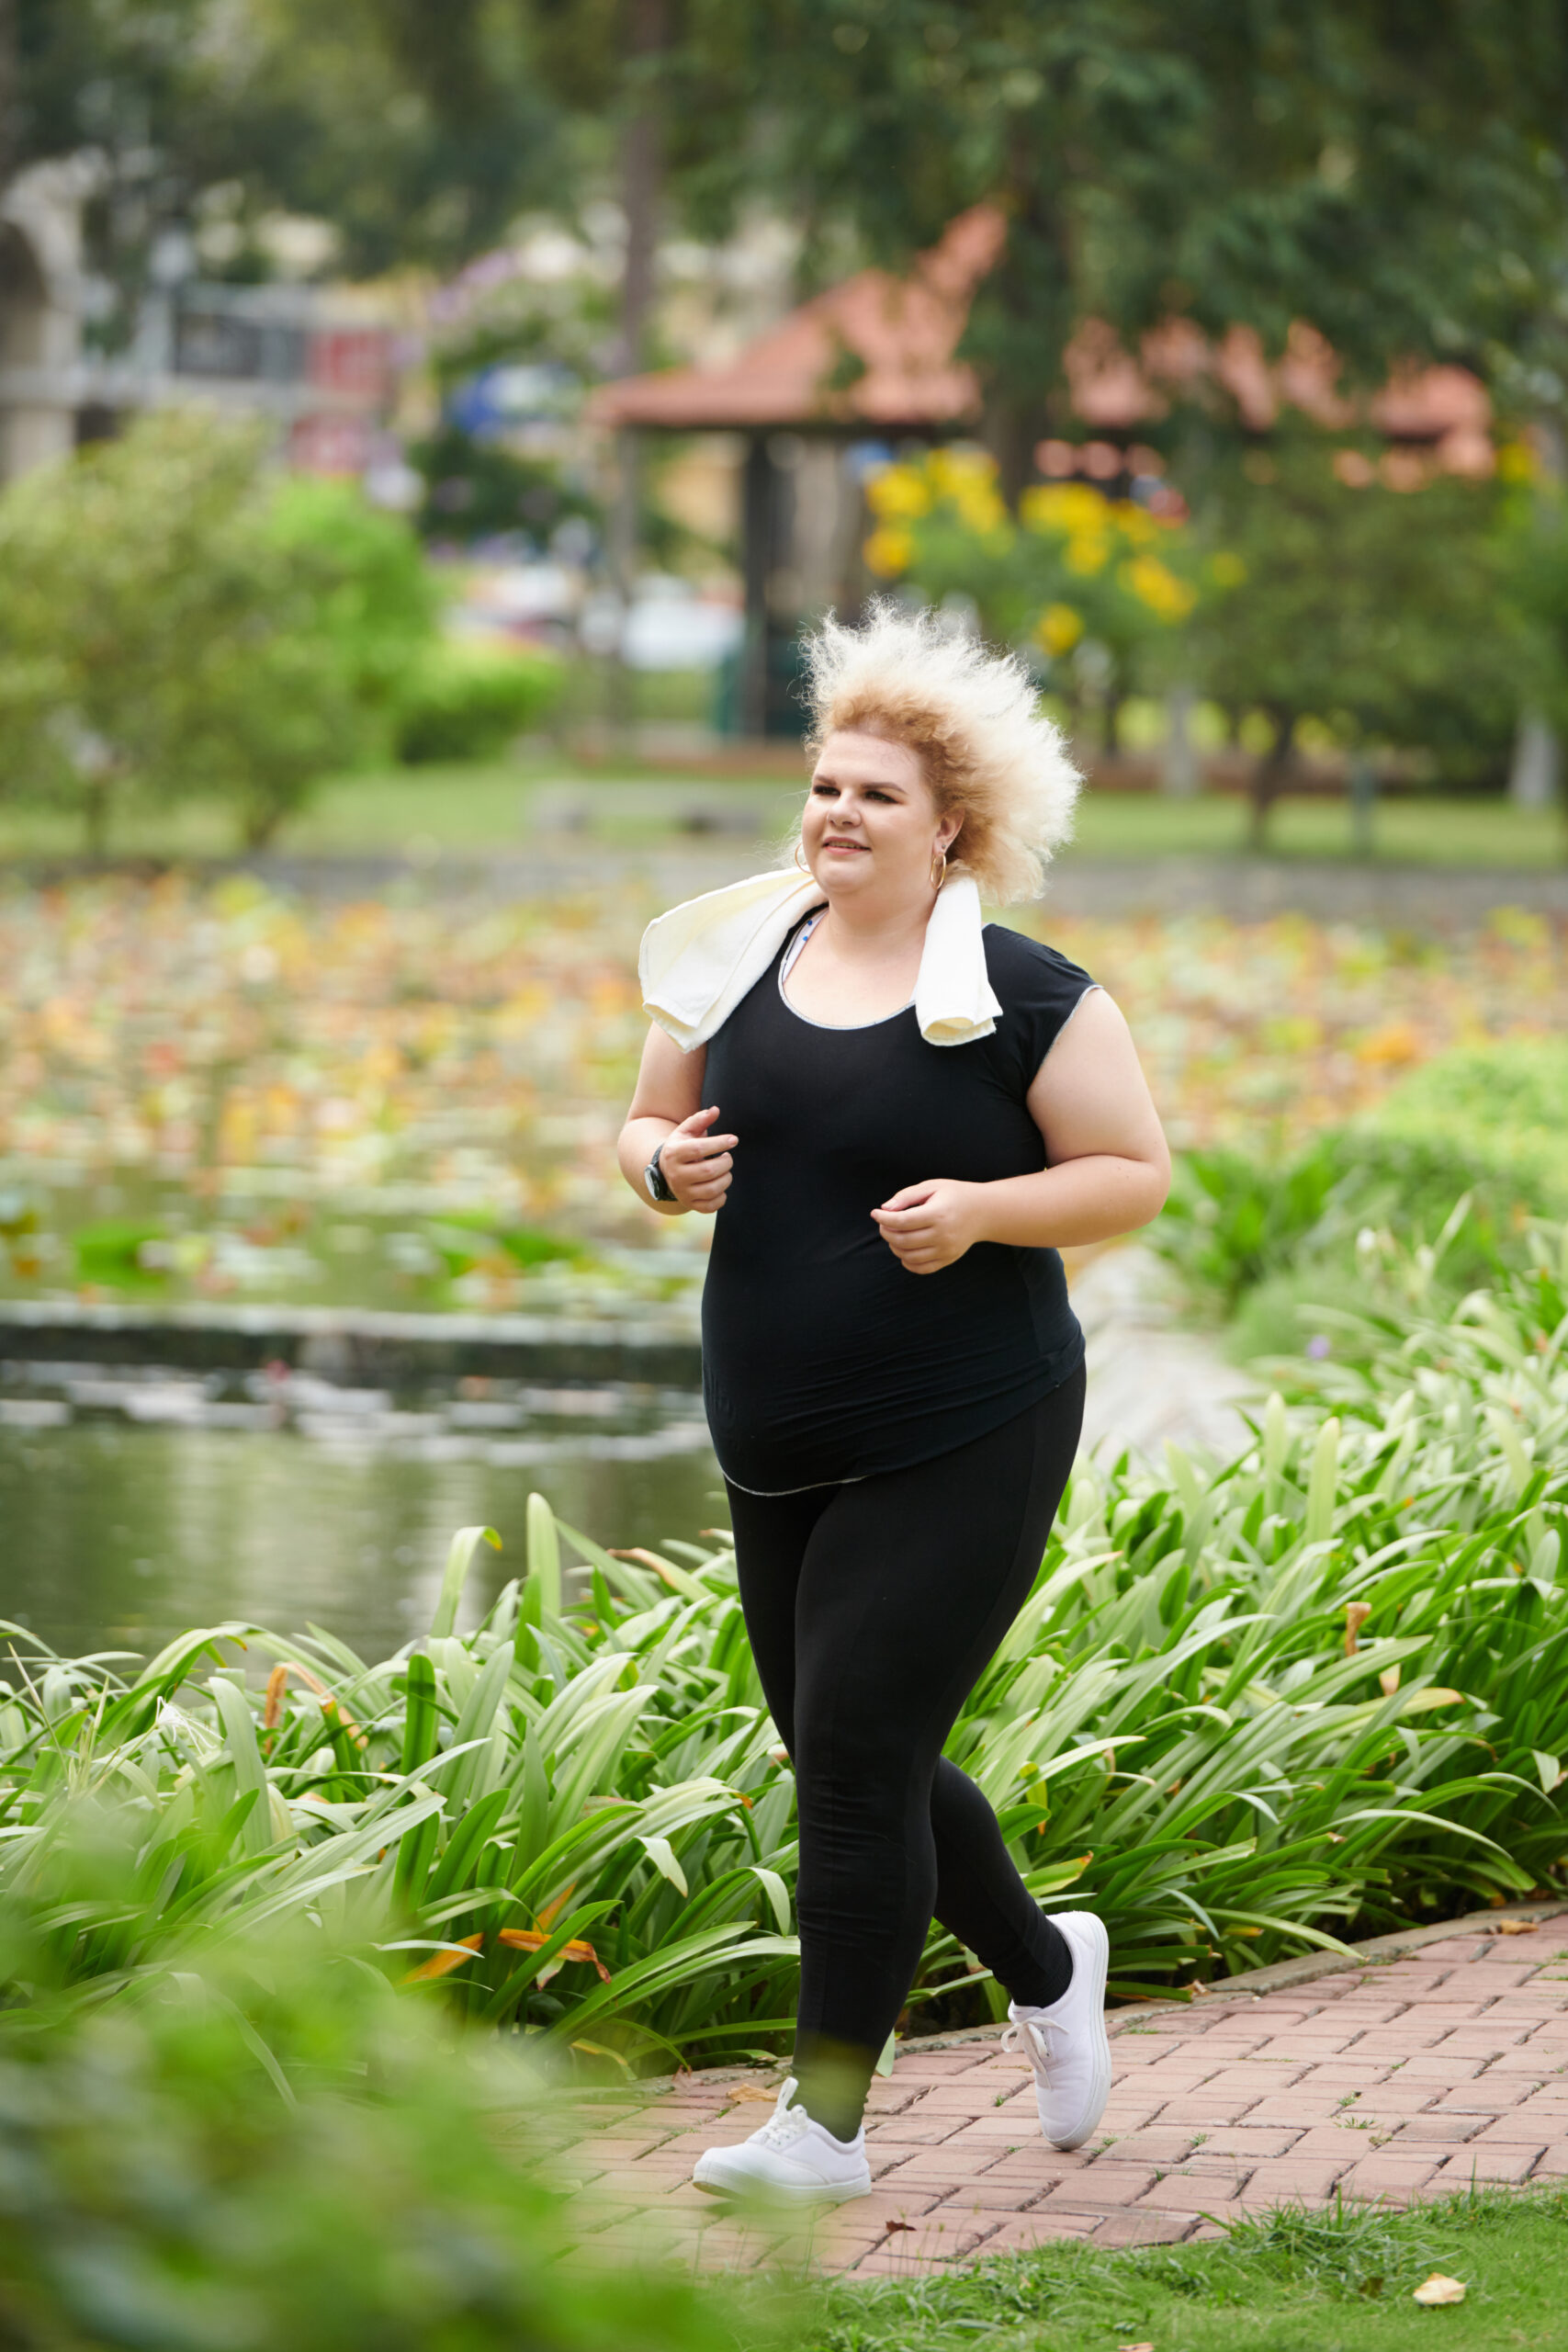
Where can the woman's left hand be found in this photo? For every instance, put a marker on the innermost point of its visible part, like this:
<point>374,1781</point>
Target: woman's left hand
<point>929,1226</point>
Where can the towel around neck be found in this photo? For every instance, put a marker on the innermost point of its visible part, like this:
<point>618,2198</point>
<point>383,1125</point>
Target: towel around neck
<point>699,960</point>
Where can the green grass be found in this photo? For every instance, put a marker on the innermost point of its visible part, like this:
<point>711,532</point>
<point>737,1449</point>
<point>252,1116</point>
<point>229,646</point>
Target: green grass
<point>470,806</point>
<point>1339,2281</point>
<point>1417,831</point>
<point>484,807</point>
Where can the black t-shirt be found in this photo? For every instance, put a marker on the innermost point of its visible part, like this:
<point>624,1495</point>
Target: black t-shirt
<point>823,1358</point>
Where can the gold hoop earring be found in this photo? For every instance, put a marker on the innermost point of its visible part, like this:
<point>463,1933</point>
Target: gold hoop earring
<point>939,869</point>
<point>801,862</point>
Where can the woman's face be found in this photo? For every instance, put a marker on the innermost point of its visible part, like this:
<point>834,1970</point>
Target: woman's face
<point>870,826</point>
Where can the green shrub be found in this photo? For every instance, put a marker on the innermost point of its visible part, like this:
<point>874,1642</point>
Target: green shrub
<point>1499,1112</point>
<point>1232,1219</point>
<point>178,622</point>
<point>465,1237</point>
<point>280,2154</point>
<point>377,600</point>
<point>1484,1121</point>
<point>464,701</point>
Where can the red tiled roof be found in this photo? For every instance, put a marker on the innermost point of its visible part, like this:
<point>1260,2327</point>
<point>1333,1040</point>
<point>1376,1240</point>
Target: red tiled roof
<point>877,353</point>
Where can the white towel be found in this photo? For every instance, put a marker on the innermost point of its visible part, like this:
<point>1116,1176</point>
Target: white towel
<point>697,962</point>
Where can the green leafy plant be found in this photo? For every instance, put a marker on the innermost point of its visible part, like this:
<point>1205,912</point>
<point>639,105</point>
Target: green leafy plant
<point>377,595</point>
<point>469,701</point>
<point>1232,1219</point>
<point>176,623</point>
<point>1072,566</point>
<point>1315,1690</point>
<point>1370,609</point>
<point>1482,1121</point>
<point>275,2153</point>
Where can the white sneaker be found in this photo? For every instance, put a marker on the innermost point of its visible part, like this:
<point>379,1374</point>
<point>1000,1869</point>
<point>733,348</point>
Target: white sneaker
<point>1066,2043</point>
<point>791,2157</point>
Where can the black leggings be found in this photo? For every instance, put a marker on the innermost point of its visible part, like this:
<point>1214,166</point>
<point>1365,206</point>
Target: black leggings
<point>872,1609</point>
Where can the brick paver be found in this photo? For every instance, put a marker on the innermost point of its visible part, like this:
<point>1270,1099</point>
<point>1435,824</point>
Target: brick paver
<point>1402,2079</point>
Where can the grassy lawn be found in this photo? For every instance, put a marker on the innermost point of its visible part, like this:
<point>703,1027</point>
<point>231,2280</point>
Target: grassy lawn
<point>421,812</point>
<point>1292,2281</point>
<point>1437,832</point>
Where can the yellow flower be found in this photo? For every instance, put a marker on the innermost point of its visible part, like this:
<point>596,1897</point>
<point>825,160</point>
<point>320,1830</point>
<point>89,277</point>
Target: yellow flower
<point>1225,569</point>
<point>1136,523</point>
<point>1070,508</point>
<point>1158,588</point>
<point>1059,629</point>
<point>1086,555</point>
<point>979,509</point>
<point>889,550</point>
<point>897,495</point>
<point>952,472</point>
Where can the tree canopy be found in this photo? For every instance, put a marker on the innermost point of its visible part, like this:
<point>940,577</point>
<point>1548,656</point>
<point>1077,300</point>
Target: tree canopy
<point>1394,173</point>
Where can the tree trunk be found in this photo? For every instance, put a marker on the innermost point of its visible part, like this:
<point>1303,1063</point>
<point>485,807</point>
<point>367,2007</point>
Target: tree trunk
<point>96,808</point>
<point>1012,428</point>
<point>642,189</point>
<point>642,173</point>
<point>9,93</point>
<point>1180,771</point>
<point>258,827</point>
<point>1271,774</point>
<point>1022,318</point>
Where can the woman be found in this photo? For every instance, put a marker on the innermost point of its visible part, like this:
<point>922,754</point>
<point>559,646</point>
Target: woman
<point>896,1119</point>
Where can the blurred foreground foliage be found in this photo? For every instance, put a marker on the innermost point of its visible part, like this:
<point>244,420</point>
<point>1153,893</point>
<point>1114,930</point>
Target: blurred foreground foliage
<point>271,2152</point>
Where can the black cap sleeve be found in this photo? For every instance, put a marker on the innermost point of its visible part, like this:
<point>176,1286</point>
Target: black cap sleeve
<point>1038,989</point>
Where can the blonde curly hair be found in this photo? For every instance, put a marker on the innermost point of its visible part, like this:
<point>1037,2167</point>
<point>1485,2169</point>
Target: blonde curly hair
<point>973,717</point>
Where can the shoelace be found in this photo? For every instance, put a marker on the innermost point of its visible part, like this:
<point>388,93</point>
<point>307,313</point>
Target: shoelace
<point>1031,2035</point>
<point>783,2127</point>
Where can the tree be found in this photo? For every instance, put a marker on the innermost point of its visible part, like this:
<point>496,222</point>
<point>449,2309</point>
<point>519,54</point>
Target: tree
<point>1395,177</point>
<point>208,117</point>
<point>1372,610</point>
<point>175,622</point>
<point>370,591</point>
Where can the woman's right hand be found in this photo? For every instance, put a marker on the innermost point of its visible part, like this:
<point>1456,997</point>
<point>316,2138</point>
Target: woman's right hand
<point>697,1165</point>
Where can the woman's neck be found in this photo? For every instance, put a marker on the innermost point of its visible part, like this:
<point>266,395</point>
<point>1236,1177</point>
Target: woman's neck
<point>876,935</point>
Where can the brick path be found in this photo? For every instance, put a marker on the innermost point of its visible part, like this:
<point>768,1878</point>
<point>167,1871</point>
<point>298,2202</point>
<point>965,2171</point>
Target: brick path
<point>1400,2078</point>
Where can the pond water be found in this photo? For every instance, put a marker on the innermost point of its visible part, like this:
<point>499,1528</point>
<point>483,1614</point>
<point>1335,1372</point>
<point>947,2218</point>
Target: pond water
<point>135,1502</point>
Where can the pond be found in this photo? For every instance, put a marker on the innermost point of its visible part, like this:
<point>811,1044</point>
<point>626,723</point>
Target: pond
<point>136,1501</point>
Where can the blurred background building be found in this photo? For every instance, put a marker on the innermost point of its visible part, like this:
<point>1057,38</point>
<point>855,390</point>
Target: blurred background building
<point>318,360</point>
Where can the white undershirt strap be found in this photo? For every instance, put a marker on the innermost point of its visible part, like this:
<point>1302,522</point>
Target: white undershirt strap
<point>798,941</point>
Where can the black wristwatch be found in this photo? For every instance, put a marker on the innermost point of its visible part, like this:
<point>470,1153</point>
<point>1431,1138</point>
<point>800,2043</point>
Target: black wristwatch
<point>653,1176</point>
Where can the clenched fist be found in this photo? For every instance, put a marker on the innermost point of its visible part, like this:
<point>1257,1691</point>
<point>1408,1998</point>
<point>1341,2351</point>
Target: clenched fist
<point>929,1226</point>
<point>697,1165</point>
